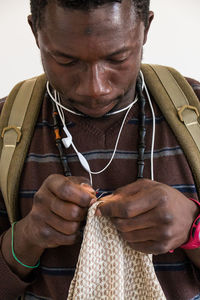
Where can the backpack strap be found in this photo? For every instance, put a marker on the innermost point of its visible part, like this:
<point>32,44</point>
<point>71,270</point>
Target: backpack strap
<point>18,118</point>
<point>181,108</point>
<point>171,91</point>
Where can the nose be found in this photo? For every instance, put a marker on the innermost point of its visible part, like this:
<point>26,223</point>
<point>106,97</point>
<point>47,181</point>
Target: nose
<point>94,82</point>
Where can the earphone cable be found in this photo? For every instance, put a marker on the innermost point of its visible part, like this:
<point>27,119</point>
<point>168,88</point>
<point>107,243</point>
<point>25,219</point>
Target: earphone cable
<point>60,108</point>
<point>57,97</point>
<point>62,117</point>
<point>117,141</point>
<point>153,127</point>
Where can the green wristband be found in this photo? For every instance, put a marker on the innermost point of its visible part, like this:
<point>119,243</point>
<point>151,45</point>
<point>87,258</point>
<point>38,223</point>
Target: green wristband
<point>13,252</point>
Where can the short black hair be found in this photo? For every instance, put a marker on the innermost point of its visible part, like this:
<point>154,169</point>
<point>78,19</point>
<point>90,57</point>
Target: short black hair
<point>37,7</point>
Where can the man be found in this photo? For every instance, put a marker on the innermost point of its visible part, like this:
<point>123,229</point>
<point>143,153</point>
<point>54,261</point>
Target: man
<point>91,53</point>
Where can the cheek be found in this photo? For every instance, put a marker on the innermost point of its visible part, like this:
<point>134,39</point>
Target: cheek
<point>125,76</point>
<point>61,79</point>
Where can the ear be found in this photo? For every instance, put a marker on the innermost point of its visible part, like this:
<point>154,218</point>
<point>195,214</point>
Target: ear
<point>34,31</point>
<point>150,19</point>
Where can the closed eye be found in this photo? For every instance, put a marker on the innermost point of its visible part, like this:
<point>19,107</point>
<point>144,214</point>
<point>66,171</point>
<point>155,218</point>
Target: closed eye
<point>117,61</point>
<point>65,61</point>
<point>68,63</point>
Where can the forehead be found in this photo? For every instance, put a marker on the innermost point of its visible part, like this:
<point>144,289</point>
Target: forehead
<point>103,26</point>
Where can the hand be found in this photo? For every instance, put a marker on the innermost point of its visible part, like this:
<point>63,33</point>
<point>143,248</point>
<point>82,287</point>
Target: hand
<point>152,217</point>
<point>59,207</point>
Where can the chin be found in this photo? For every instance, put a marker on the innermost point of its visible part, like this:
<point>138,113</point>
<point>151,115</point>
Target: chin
<point>94,114</point>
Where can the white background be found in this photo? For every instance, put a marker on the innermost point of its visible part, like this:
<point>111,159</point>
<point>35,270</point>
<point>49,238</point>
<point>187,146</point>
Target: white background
<point>174,40</point>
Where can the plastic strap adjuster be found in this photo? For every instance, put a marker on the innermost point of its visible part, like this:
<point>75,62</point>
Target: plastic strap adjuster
<point>189,107</point>
<point>16,129</point>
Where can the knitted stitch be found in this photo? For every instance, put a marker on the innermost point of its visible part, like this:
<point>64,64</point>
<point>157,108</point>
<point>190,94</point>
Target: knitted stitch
<point>109,269</point>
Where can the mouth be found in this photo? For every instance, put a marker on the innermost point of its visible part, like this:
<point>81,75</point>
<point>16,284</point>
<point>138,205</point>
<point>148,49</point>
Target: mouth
<point>95,111</point>
<point>96,108</point>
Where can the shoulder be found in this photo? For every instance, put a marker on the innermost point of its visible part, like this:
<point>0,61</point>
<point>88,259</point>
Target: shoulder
<point>2,101</point>
<point>37,84</point>
<point>195,86</point>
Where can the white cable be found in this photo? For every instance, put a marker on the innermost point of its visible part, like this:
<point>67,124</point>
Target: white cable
<point>80,156</point>
<point>82,159</point>
<point>62,117</point>
<point>154,127</point>
<point>117,141</point>
<point>116,144</point>
<point>56,99</point>
<point>120,110</point>
<point>55,93</point>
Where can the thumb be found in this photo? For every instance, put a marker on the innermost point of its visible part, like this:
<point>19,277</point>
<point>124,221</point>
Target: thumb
<point>107,206</point>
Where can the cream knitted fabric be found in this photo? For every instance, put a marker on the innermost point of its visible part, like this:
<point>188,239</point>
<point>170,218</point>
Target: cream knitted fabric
<point>109,269</point>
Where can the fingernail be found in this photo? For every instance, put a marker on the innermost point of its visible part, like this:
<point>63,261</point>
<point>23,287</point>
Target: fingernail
<point>98,213</point>
<point>171,251</point>
<point>87,187</point>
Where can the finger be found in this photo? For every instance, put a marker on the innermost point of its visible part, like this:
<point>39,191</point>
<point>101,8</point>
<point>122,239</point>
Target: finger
<point>63,226</point>
<point>142,221</point>
<point>67,190</point>
<point>138,236</point>
<point>137,186</point>
<point>147,247</point>
<point>67,210</point>
<point>150,247</point>
<point>107,204</point>
<point>49,237</point>
<point>88,188</point>
<point>121,206</point>
<point>163,239</point>
<point>79,180</point>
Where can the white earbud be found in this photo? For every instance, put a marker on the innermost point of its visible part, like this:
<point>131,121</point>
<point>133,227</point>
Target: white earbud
<point>68,140</point>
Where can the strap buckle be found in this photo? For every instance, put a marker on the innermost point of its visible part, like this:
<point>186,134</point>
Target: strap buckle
<point>16,129</point>
<point>184,107</point>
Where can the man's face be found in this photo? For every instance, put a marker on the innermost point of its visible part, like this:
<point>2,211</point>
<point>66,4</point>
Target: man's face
<point>92,58</point>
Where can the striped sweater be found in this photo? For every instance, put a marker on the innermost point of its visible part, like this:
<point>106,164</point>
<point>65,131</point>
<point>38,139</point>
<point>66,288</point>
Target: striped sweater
<point>178,276</point>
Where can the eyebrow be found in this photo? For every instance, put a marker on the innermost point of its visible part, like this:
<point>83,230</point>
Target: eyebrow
<point>59,53</point>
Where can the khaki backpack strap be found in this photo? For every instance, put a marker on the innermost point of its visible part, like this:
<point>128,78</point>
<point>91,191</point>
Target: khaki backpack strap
<point>18,119</point>
<point>181,108</point>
